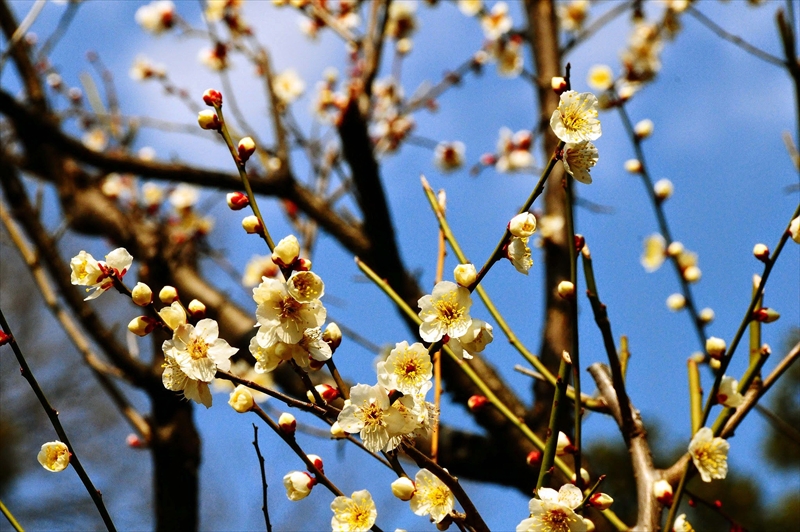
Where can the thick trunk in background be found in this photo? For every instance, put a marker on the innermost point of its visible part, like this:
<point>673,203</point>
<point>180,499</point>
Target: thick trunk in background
<point>557,330</point>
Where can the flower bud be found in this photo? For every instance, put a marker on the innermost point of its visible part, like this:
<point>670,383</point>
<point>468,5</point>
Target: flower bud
<point>761,252</point>
<point>142,325</point>
<point>707,315</point>
<point>714,364</point>
<point>142,295</point>
<point>212,97</point>
<point>558,84</point>
<point>633,166</point>
<point>477,402</point>
<point>196,308</point>
<point>286,251</point>
<point>298,485</point>
<point>675,249</point>
<point>534,458</point>
<point>403,488</point>
<point>585,478</point>
<point>134,441</point>
<point>662,490</point>
<point>564,445</point>
<point>601,501</point>
<point>337,431</point>
<point>332,336</point>
<point>676,302</point>
<point>208,120</point>
<point>522,225</point>
<point>237,201</point>
<point>168,294</point>
<point>663,189</point>
<point>4,338</point>
<point>287,423</point>
<point>465,274</point>
<point>715,347</point>
<point>252,225</point>
<point>692,274</point>
<point>765,315</point>
<point>326,391</point>
<point>566,290</point>
<point>241,399</point>
<point>54,456</point>
<point>488,159</point>
<point>643,128</point>
<point>794,229</point>
<point>316,460</point>
<point>246,148</point>
<point>303,265</point>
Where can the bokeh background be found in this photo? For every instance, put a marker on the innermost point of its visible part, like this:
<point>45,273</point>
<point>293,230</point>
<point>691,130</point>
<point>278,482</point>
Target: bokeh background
<point>719,116</point>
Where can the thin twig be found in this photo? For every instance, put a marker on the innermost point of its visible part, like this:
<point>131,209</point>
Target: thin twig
<point>264,507</point>
<point>11,519</point>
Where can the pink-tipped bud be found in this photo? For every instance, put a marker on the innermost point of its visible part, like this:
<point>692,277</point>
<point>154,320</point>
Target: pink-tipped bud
<point>558,84</point>
<point>663,492</point>
<point>196,309</point>
<point>326,391</point>
<point>208,120</point>
<point>212,98</point>
<point>142,325</point>
<point>534,458</point>
<point>566,290</point>
<point>564,445</point>
<point>168,295</point>
<point>303,265</point>
<point>134,441</point>
<point>316,460</point>
<point>252,225</point>
<point>601,501</point>
<point>237,201</point>
<point>246,148</point>
<point>332,336</point>
<point>403,488</point>
<point>287,423</point>
<point>298,485</point>
<point>286,251</point>
<point>766,315</point>
<point>761,252</point>
<point>477,402</point>
<point>4,338</point>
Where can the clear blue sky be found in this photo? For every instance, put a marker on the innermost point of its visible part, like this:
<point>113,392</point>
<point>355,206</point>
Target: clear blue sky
<point>719,114</point>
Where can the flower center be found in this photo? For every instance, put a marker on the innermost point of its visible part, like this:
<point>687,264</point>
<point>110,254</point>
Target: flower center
<point>289,307</point>
<point>557,520</point>
<point>439,496</point>
<point>407,368</point>
<point>198,349</point>
<point>449,310</point>
<point>371,414</point>
<point>359,516</point>
<point>709,456</point>
<point>305,286</point>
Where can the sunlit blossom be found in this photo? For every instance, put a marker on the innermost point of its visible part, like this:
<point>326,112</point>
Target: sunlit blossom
<point>356,513</point>
<point>444,311</point>
<point>406,369</point>
<point>728,394</point>
<point>578,159</point>
<point>54,456</point>
<point>496,23</point>
<point>280,314</point>
<point>709,454</point>
<point>575,119</point>
<point>369,413</point>
<point>432,496</point>
<point>520,254</point>
<point>288,86</point>
<point>199,351</point>
<point>554,511</point>
<point>96,275</point>
<point>156,17</point>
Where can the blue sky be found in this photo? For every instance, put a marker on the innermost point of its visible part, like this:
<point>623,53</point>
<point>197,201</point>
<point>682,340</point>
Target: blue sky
<point>719,114</point>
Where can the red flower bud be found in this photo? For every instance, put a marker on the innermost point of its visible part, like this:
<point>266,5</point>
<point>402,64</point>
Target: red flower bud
<point>477,402</point>
<point>212,97</point>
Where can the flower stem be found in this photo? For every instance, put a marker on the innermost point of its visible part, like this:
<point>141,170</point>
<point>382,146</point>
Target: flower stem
<point>11,519</point>
<point>695,395</point>
<point>549,453</point>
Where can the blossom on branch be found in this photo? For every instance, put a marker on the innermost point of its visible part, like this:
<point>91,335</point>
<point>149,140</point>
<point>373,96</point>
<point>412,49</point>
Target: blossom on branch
<point>575,119</point>
<point>98,275</point>
<point>432,496</point>
<point>554,511</point>
<point>356,513</point>
<point>54,456</point>
<point>578,159</point>
<point>709,454</point>
<point>444,312</point>
<point>406,369</point>
<point>369,413</point>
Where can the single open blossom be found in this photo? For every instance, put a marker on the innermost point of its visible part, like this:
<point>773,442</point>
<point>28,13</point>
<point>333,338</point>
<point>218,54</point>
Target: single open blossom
<point>682,525</point>
<point>406,369</point>
<point>600,77</point>
<point>432,496</point>
<point>54,456</point>
<point>572,15</point>
<point>305,287</point>
<point>497,22</point>
<point>475,340</point>
<point>575,119</point>
<point>444,312</point>
<point>508,54</point>
<point>709,454</point>
<point>288,86</point>
<point>156,17</point>
<point>368,412</point>
<point>554,511</point>
<point>199,351</point>
<point>654,252</point>
<point>94,274</point>
<point>356,513</point>
<point>281,315</point>
<point>578,159</point>
<point>449,156</point>
<point>175,379</point>
<point>513,151</point>
<point>401,22</point>
<point>470,8</point>
<point>520,254</point>
<point>728,393</point>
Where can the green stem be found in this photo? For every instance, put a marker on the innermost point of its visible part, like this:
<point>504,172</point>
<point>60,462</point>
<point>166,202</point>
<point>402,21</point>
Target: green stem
<point>11,518</point>
<point>549,453</point>
<point>755,328</point>
<point>753,372</point>
<point>695,395</point>
<point>337,378</point>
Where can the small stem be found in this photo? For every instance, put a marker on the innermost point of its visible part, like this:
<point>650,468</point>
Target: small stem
<point>344,391</point>
<point>289,401</point>
<point>549,453</point>
<point>755,326</point>
<point>695,395</point>
<point>753,372</point>
<point>263,479</point>
<point>592,490</point>
<point>437,357</point>
<point>624,355</point>
<point>11,519</point>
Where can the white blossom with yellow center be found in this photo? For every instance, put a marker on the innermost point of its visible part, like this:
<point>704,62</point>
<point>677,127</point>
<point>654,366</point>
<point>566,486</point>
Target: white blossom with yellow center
<point>554,511</point>
<point>281,315</point>
<point>305,286</point>
<point>199,351</point>
<point>520,254</point>
<point>682,524</point>
<point>575,119</point>
<point>709,454</point>
<point>432,497</point>
<point>475,340</point>
<point>356,513</point>
<point>444,312</point>
<point>288,86</point>
<point>578,159</point>
<point>96,275</point>
<point>368,412</point>
<point>174,379</point>
<point>54,456</point>
<point>654,252</point>
<point>406,369</point>
<point>497,22</point>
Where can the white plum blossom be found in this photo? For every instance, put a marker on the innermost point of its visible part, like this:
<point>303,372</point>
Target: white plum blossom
<point>444,312</point>
<point>406,369</point>
<point>575,119</point>
<point>432,497</point>
<point>97,275</point>
<point>475,340</point>
<point>156,17</point>
<point>578,159</point>
<point>654,252</point>
<point>496,23</point>
<point>554,511</point>
<point>728,394</point>
<point>682,524</point>
<point>709,454</point>
<point>54,456</point>
<point>281,315</point>
<point>298,485</point>
<point>184,197</point>
<point>369,413</point>
<point>356,513</point>
<point>288,86</point>
<point>520,254</point>
<point>305,287</point>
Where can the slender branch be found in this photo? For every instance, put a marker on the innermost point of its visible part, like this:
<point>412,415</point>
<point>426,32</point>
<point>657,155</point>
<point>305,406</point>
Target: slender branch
<point>549,453</point>
<point>52,415</point>
<point>264,507</point>
<point>11,519</point>
<point>596,25</point>
<point>779,424</point>
<point>602,407</point>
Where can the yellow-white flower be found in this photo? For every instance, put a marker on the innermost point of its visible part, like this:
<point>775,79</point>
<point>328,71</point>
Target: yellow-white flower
<point>794,229</point>
<point>554,511</point>
<point>709,454</point>
<point>258,267</point>
<point>96,275</point>
<point>199,351</point>
<point>281,315</point>
<point>654,252</point>
<point>184,197</point>
<point>175,379</point>
<point>449,156</point>
<point>520,254</point>
<point>305,287</point>
<point>497,22</point>
<point>600,77</point>
<point>54,456</point>
<point>578,159</point>
<point>406,369</point>
<point>144,69</point>
<point>356,513</point>
<point>572,15</point>
<point>522,225</point>
<point>508,53</point>
<point>475,340</point>
<point>432,496</point>
<point>682,525</point>
<point>288,86</point>
<point>368,412</point>
<point>444,312</point>
<point>575,119</point>
<point>298,485</point>
<point>402,21</point>
<point>241,399</point>
<point>156,17</point>
<point>728,393</point>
